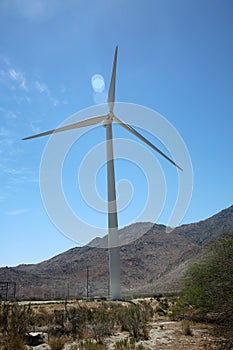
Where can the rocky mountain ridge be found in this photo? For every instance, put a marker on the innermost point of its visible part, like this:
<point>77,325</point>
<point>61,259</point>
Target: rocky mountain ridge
<point>152,263</point>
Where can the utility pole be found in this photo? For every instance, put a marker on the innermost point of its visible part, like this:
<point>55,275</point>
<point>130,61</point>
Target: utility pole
<point>87,281</point>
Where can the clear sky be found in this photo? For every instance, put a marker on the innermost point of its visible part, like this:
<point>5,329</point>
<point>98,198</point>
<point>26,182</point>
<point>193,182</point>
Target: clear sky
<point>175,57</point>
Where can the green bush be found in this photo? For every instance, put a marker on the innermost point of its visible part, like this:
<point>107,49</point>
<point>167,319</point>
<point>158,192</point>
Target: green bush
<point>178,309</point>
<point>208,284</point>
<point>208,287</point>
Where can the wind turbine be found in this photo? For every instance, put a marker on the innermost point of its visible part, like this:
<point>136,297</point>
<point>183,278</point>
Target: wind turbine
<point>107,120</point>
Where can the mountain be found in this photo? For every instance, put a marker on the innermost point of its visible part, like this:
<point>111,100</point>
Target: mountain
<point>152,263</point>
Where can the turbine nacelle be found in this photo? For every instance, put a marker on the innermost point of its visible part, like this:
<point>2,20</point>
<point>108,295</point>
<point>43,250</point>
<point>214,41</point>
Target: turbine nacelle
<point>108,120</point>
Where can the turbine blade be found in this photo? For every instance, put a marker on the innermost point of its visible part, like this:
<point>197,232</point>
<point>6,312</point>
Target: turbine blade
<point>86,122</point>
<point>142,138</point>
<point>111,91</point>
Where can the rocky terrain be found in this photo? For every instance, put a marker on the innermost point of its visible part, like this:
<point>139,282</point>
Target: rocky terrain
<point>151,263</point>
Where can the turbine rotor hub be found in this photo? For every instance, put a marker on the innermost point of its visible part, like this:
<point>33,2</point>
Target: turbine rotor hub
<point>108,119</point>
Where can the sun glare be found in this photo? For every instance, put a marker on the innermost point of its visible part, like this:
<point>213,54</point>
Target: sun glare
<point>97,82</point>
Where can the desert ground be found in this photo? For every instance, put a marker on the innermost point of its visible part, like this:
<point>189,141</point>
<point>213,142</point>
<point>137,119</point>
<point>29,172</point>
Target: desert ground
<point>163,332</point>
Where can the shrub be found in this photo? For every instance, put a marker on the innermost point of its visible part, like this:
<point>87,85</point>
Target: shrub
<point>101,323</point>
<point>186,327</point>
<point>43,317</point>
<point>178,310</point>
<point>57,343</point>
<point>133,319</point>
<point>208,287</point>
<point>208,284</point>
<point>13,343</point>
<point>15,318</point>
<point>15,321</point>
<point>77,320</point>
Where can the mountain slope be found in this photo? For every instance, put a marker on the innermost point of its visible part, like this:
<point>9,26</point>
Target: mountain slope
<point>153,263</point>
<point>207,230</point>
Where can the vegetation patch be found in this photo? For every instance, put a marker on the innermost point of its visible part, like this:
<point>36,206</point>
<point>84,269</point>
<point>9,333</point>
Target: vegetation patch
<point>208,287</point>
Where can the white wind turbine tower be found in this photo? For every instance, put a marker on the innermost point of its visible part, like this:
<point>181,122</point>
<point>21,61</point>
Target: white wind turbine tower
<point>107,120</point>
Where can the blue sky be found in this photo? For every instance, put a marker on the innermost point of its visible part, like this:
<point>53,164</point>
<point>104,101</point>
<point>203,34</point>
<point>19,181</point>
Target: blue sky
<point>175,57</point>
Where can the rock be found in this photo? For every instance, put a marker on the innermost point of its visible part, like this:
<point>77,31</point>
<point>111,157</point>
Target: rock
<point>36,338</point>
<point>39,347</point>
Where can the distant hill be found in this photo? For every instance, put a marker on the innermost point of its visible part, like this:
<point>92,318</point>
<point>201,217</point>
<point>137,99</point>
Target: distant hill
<point>153,263</point>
